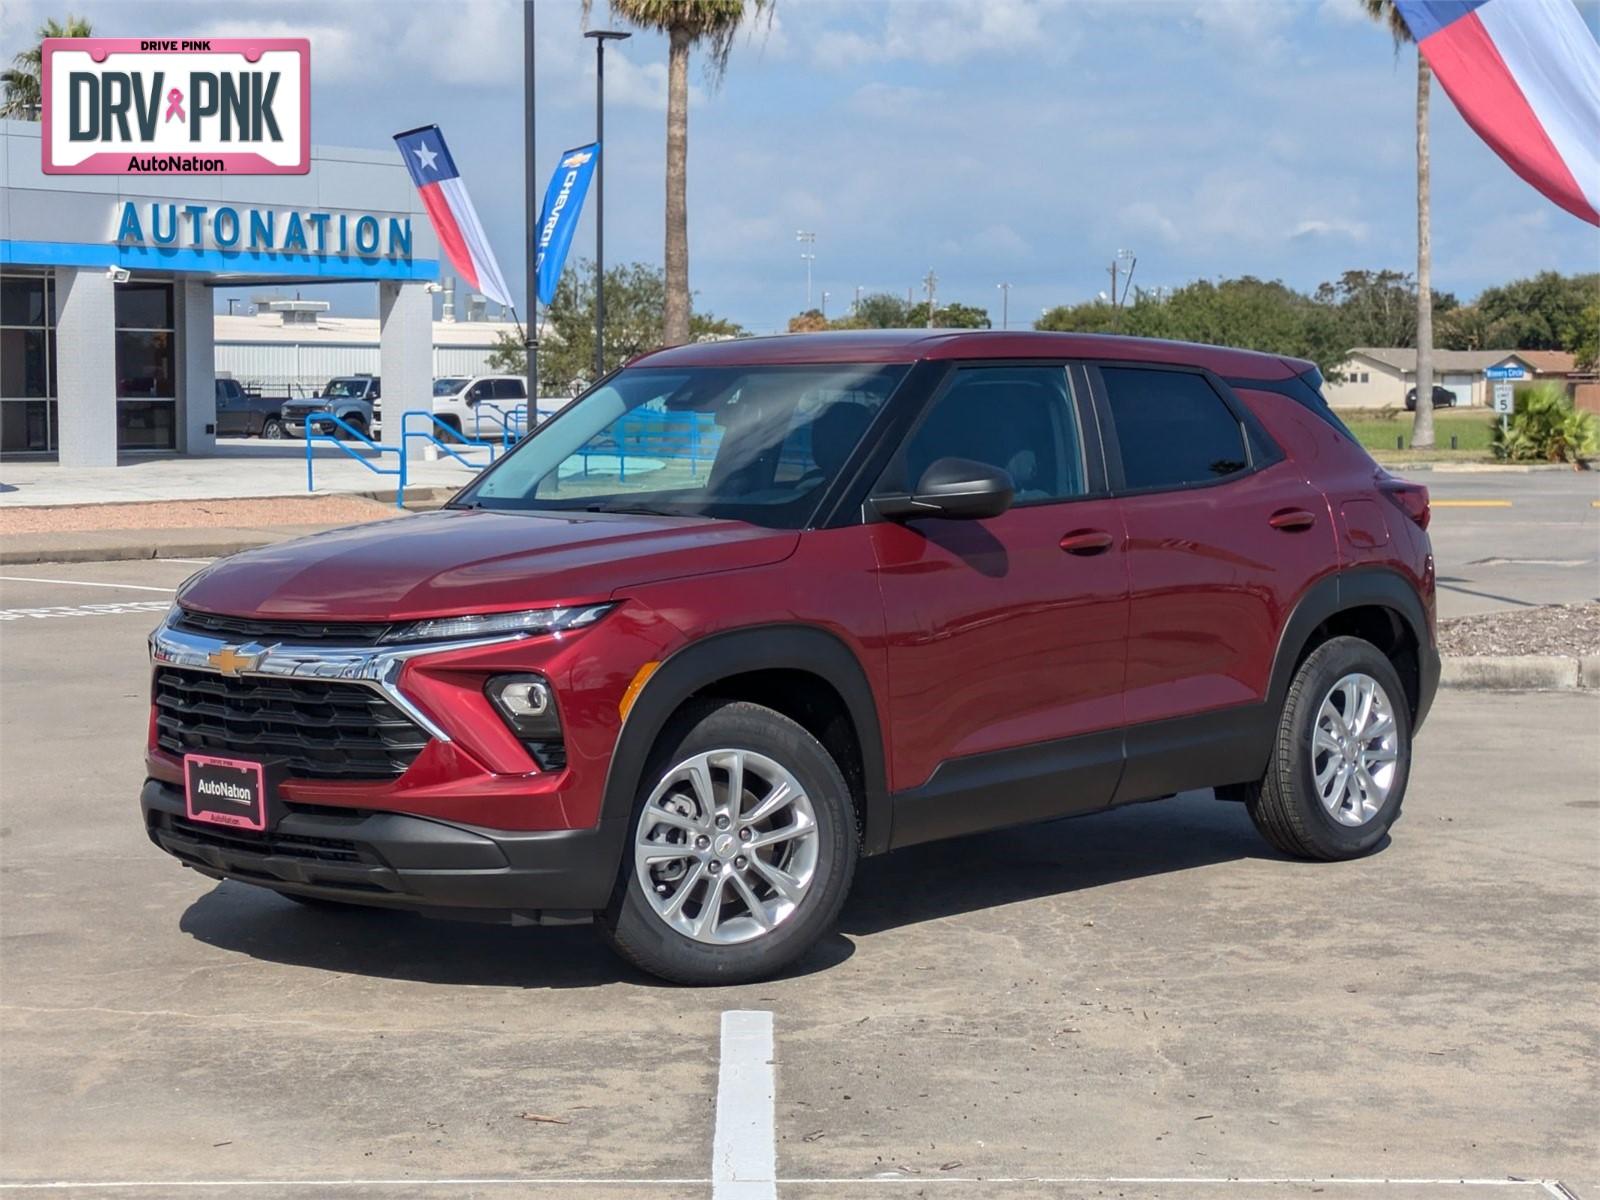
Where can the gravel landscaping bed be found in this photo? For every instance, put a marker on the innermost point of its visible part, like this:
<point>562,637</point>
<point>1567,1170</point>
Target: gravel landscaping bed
<point>195,514</point>
<point>1572,630</point>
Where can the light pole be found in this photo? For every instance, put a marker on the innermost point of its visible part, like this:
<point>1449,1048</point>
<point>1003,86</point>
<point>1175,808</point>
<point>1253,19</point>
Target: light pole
<point>855,305</point>
<point>601,37</point>
<point>530,205</point>
<point>809,240</point>
<point>931,282</point>
<point>1005,305</point>
<point>825,295</point>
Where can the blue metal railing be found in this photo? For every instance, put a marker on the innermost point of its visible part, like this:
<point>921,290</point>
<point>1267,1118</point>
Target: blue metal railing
<point>314,435</point>
<point>427,434</point>
<point>511,421</point>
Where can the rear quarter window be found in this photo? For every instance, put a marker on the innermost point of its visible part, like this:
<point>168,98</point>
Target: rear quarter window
<point>1173,429</point>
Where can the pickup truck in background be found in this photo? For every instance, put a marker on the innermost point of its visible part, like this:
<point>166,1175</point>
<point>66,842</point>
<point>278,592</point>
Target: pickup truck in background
<point>244,413</point>
<point>348,397</point>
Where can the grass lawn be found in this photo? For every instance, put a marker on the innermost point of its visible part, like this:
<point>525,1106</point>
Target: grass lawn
<point>1470,427</point>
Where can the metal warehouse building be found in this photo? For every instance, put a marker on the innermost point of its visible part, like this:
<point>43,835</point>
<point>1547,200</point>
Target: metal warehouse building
<point>107,339</point>
<point>291,347</point>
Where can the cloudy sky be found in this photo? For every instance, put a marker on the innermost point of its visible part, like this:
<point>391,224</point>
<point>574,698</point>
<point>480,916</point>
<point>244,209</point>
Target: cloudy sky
<point>1023,141</point>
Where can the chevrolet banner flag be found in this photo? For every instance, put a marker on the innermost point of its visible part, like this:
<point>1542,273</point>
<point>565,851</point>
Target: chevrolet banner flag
<point>558,219</point>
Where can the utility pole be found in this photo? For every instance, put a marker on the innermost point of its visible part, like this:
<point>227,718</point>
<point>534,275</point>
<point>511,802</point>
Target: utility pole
<point>530,210</point>
<point>1005,305</point>
<point>930,281</point>
<point>1132,259</point>
<point>855,305</point>
<point>825,296</point>
<point>601,37</point>
<point>809,254</point>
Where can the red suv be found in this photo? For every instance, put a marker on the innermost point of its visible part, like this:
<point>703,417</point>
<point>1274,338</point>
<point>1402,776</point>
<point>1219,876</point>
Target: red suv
<point>750,610</point>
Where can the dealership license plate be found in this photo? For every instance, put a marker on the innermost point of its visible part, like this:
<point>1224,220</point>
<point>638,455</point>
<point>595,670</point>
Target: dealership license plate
<point>225,791</point>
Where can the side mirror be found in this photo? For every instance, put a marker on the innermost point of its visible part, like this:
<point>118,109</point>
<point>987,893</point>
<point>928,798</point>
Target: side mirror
<point>956,489</point>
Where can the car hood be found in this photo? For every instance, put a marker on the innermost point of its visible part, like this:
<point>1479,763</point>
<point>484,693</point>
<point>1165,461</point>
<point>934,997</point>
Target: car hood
<point>470,560</point>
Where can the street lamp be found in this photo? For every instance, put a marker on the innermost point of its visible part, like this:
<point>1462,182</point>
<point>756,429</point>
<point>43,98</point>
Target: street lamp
<point>825,295</point>
<point>1005,305</point>
<point>809,254</point>
<point>601,37</point>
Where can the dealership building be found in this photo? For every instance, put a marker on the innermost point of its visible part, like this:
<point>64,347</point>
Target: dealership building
<point>108,342</point>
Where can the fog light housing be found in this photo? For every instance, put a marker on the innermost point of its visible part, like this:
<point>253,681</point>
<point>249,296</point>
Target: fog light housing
<point>527,704</point>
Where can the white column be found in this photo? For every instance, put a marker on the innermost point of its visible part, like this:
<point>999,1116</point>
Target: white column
<point>197,391</point>
<point>405,353</point>
<point>86,367</point>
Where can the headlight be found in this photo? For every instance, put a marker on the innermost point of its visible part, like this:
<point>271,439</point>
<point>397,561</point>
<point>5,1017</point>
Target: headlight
<point>530,621</point>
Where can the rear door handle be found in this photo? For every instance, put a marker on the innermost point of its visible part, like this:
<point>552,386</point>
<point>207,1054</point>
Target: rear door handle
<point>1087,541</point>
<point>1292,520</point>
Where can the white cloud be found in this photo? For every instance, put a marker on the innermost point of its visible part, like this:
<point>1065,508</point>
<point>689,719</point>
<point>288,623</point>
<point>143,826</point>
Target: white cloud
<point>1336,227</point>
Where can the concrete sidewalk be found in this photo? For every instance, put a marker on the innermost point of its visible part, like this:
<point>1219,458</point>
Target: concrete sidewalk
<point>239,469</point>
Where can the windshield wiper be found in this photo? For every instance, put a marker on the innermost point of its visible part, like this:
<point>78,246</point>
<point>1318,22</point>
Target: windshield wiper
<point>637,510</point>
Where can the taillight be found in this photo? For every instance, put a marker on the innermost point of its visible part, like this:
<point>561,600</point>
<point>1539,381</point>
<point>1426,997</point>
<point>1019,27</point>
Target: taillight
<point>1412,498</point>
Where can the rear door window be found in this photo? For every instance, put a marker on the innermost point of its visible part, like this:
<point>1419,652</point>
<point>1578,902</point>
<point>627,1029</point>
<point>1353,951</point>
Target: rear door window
<point>1173,429</point>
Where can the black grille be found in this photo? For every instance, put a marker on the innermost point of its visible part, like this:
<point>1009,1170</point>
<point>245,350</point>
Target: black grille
<point>324,729</point>
<point>284,845</point>
<point>352,633</point>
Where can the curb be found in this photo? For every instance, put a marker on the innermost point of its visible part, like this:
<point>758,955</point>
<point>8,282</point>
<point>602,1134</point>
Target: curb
<point>126,545</point>
<point>1527,672</point>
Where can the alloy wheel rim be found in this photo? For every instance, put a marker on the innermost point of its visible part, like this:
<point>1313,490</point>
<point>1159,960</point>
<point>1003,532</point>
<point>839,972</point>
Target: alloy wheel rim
<point>1355,749</point>
<point>726,847</point>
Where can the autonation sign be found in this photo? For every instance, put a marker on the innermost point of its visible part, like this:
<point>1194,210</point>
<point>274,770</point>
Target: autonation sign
<point>207,106</point>
<point>261,230</point>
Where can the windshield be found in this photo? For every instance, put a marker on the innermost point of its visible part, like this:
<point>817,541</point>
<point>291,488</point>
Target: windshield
<point>448,387</point>
<point>757,444</point>
<point>346,389</point>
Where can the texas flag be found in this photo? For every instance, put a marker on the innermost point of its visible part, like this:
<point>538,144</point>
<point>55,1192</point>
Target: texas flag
<point>1526,76</point>
<point>450,208</point>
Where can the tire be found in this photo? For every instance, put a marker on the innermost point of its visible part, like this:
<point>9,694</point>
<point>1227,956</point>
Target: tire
<point>1287,805</point>
<point>273,430</point>
<point>733,945</point>
<point>355,423</point>
<point>454,424</point>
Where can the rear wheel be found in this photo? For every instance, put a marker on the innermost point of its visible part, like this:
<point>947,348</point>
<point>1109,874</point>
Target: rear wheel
<point>1342,757</point>
<point>742,847</point>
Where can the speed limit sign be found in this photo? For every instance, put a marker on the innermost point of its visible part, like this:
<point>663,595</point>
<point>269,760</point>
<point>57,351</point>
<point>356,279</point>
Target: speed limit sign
<point>1502,398</point>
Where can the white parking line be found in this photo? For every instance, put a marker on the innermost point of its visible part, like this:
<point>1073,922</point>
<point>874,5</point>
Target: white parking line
<point>111,608</point>
<point>132,587</point>
<point>744,1149</point>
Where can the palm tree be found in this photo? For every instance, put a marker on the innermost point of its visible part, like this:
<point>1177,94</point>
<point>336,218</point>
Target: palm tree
<point>1388,14</point>
<point>21,79</point>
<point>685,22</point>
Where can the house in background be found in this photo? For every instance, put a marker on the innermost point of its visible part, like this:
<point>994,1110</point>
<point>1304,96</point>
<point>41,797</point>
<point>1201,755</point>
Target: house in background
<point>1380,377</point>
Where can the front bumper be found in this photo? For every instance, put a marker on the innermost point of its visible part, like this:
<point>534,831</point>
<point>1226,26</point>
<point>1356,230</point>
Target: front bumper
<point>392,860</point>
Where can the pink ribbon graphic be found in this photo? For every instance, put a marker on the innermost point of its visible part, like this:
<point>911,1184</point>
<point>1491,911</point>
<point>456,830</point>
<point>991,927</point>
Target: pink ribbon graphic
<point>175,106</point>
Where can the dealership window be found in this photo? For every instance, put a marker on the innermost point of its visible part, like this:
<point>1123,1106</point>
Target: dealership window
<point>27,364</point>
<point>147,366</point>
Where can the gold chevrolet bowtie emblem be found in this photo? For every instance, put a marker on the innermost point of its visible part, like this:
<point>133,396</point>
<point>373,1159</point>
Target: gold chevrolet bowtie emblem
<point>233,660</point>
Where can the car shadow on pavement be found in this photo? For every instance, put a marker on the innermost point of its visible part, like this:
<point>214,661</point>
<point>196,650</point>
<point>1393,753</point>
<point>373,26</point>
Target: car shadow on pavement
<point>382,944</point>
<point>1030,862</point>
<point>922,883</point>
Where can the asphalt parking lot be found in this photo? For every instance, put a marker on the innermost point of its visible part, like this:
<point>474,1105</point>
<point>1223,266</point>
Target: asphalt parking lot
<point>1511,540</point>
<point>1144,1004</point>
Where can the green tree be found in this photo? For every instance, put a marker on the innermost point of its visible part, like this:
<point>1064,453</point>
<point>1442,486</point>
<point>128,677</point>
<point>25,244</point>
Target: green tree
<point>948,316</point>
<point>879,310</point>
<point>685,23</point>
<point>635,313</point>
<point>1388,14</point>
<point>21,80</point>
<point>1584,340</point>
<point>1541,313</point>
<point>1093,316</point>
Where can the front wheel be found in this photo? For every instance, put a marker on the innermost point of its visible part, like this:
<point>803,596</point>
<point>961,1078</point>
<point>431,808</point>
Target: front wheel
<point>355,423</point>
<point>741,849</point>
<point>273,430</point>
<point>1342,757</point>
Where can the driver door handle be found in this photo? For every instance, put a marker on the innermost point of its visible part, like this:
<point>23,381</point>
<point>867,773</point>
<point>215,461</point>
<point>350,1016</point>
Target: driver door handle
<point>1085,542</point>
